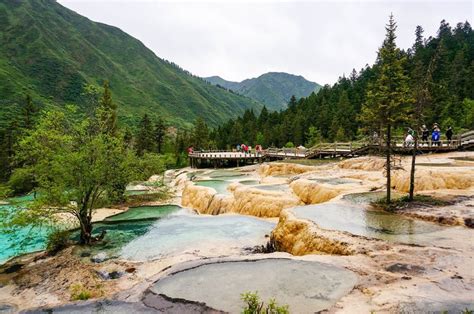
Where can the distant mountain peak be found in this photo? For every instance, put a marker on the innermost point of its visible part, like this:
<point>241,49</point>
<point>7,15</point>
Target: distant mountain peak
<point>274,89</point>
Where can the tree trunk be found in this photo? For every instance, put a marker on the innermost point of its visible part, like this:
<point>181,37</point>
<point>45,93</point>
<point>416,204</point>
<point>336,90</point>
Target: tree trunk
<point>389,166</point>
<point>412,171</point>
<point>86,230</point>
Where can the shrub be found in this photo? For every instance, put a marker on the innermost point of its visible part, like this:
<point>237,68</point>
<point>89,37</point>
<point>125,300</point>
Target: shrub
<point>78,292</point>
<point>21,181</point>
<point>57,241</point>
<point>255,306</point>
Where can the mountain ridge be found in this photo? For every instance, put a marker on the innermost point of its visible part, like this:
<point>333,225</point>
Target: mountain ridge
<point>274,89</point>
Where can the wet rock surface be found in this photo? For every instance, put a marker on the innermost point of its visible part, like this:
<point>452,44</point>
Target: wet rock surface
<point>306,287</point>
<point>7,308</point>
<point>150,303</point>
<point>405,269</point>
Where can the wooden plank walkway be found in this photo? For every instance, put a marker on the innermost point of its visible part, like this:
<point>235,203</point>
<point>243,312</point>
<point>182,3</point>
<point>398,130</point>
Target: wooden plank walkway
<point>219,159</point>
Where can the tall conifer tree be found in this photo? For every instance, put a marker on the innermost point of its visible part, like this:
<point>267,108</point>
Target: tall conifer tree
<point>107,112</point>
<point>388,96</point>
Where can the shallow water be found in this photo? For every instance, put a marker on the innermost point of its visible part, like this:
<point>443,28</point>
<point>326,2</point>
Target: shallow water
<point>367,197</point>
<point>219,185</point>
<point>118,235</point>
<point>334,181</point>
<point>307,287</point>
<point>144,212</point>
<point>249,182</point>
<point>368,223</point>
<point>199,234</point>
<point>225,173</point>
<point>231,175</point>
<point>137,192</point>
<point>273,187</point>
<point>125,227</point>
<point>32,239</point>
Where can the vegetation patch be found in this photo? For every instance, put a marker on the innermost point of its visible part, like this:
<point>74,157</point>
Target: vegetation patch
<point>80,292</point>
<point>405,203</point>
<point>253,305</point>
<point>57,241</point>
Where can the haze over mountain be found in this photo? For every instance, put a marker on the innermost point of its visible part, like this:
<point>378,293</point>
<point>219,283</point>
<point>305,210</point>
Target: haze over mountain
<point>51,52</point>
<point>274,89</point>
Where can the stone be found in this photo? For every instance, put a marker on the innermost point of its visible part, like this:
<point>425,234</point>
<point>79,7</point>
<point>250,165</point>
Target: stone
<point>100,257</point>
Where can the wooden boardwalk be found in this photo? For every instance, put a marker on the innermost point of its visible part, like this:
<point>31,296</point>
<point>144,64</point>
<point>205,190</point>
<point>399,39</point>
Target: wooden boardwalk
<point>218,159</point>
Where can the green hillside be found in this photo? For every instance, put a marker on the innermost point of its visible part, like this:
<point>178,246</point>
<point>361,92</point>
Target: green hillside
<point>274,89</point>
<point>50,52</point>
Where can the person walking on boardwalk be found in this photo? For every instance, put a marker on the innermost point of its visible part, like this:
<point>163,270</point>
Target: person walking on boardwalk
<point>436,135</point>
<point>238,147</point>
<point>449,135</point>
<point>410,140</point>
<point>425,133</point>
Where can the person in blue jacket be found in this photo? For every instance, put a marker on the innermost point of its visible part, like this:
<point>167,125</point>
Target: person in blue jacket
<point>436,135</point>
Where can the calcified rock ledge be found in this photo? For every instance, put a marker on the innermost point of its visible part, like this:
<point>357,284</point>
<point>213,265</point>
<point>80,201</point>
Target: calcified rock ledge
<point>392,277</point>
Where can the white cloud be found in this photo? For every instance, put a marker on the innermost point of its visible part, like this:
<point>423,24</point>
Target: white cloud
<point>320,40</point>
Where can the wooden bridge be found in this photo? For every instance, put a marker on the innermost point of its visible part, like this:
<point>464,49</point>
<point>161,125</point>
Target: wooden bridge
<point>219,159</point>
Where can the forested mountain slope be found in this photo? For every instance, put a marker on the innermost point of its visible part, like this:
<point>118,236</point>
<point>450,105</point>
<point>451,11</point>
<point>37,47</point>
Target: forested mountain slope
<point>51,52</point>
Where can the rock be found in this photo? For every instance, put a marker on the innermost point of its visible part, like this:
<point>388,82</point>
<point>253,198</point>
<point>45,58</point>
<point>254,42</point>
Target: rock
<point>85,254</point>
<point>7,309</point>
<point>406,269</point>
<point>108,275</point>
<point>469,222</point>
<point>115,274</point>
<point>12,268</point>
<point>130,270</point>
<point>100,257</point>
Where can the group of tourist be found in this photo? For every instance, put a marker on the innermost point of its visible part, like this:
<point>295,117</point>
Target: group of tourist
<point>243,148</point>
<point>435,139</point>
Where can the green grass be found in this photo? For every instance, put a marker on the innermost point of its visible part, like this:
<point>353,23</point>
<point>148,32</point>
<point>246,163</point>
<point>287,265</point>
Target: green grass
<point>404,202</point>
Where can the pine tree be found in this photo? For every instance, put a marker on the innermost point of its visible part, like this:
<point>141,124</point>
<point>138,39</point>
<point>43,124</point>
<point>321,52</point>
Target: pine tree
<point>160,132</point>
<point>292,103</point>
<point>145,136</point>
<point>28,112</point>
<point>200,134</point>
<point>419,41</point>
<point>107,112</point>
<point>421,81</point>
<point>388,97</point>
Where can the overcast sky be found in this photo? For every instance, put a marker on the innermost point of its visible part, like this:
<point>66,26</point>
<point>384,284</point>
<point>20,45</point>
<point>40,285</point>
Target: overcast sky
<point>320,40</point>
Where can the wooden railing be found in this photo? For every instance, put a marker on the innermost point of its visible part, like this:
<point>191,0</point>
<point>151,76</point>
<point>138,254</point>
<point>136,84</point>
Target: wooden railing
<point>340,148</point>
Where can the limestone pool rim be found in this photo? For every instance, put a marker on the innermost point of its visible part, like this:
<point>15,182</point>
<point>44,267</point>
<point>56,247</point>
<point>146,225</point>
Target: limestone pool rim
<point>136,292</point>
<point>190,266</point>
<point>105,221</point>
